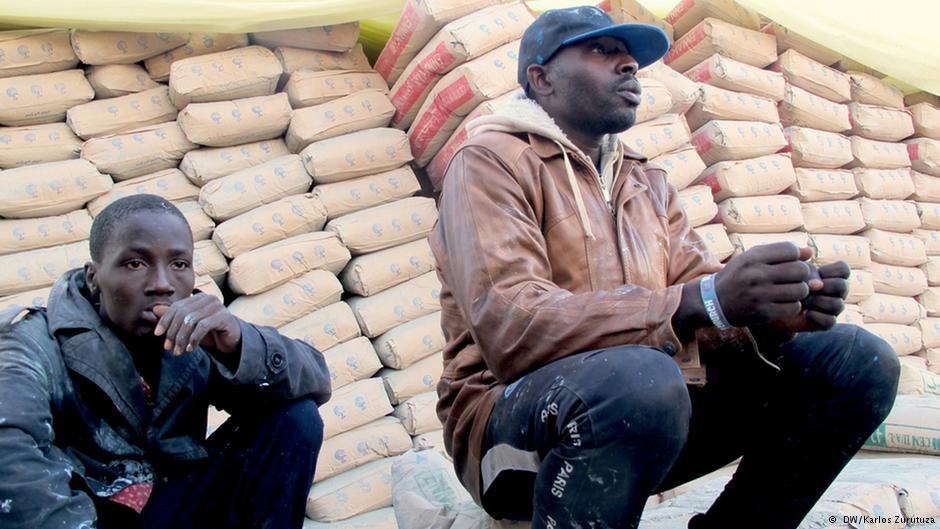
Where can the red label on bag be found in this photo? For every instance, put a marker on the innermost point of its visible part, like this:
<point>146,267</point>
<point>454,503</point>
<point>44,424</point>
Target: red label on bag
<point>913,150</point>
<point>439,111</point>
<point>687,43</point>
<point>702,142</point>
<point>701,73</point>
<point>419,80</point>
<point>680,9</point>
<point>397,41</point>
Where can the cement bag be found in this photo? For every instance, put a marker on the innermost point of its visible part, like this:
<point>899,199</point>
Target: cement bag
<point>170,184</point>
<point>925,155</point>
<point>362,110</point>
<point>456,43</point>
<point>850,315</point>
<point>200,223</point>
<point>307,88</point>
<point>917,380</point>
<point>896,248</point>
<point>381,438</point>
<point>277,263</point>
<point>926,120</point>
<point>890,215</point>
<point>930,299</point>
<point>385,226</point>
<point>458,93</point>
<point>803,109</point>
<point>722,140</point>
<point>122,47</point>
<point>738,77</point>
<point>926,188</point>
<point>854,250</point>
<point>324,328</point>
<point>632,11</point>
<point>682,166</point>
<point>833,217</point>
<point>711,36</point>
<point>374,272</point>
<point>418,413</point>
<point>655,100</point>
<point>814,185</point>
<point>718,103</point>
<point>400,304</point>
<point>789,40</point>
<point>286,302</point>
<point>234,74</point>
<point>357,491</point>
<point>408,343</point>
<point>910,427</point>
<point>51,188</point>
<point>889,184</point>
<point>138,152</point>
<point>19,235</point>
<point>743,242</point>
<point>421,376</point>
<point>430,441</point>
<point>35,51</point>
<point>929,215</point>
<point>203,165</point>
<point>287,217</point>
<point>228,123</point>
<point>814,77</point>
<point>337,37</point>
<point>23,271</point>
<point>716,240</point>
<point>885,308</point>
<point>932,269</point>
<point>345,197</point>
<point>933,360</point>
<point>873,91</point>
<point>880,123</point>
<point>42,98</point>
<point>209,261</point>
<point>378,519</point>
<point>354,405</point>
<point>849,66</point>
<point>198,44</point>
<point>33,298</point>
<point>121,114</point>
<point>766,175</point>
<point>658,136</point>
<point>30,145</point>
<point>356,154</point>
<point>296,59</point>
<point>114,80</point>
<point>898,280</point>
<point>418,23</point>
<point>817,148</point>
<point>682,90</point>
<point>861,286</point>
<point>686,15</point>
<point>769,214</point>
<point>698,204</point>
<point>931,240</point>
<point>878,154</point>
<point>241,191</point>
<point>351,361</point>
<point>207,285</point>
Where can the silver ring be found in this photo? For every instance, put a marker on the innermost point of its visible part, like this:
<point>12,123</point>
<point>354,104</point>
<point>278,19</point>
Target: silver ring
<point>188,320</point>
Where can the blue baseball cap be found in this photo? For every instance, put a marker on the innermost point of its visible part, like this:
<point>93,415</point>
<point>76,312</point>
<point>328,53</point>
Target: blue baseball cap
<point>557,28</point>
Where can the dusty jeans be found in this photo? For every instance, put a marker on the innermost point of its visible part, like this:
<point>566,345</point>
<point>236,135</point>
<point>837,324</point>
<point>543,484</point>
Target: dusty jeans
<point>583,441</point>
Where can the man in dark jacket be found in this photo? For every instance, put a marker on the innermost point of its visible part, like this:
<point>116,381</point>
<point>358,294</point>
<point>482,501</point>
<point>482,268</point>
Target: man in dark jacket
<point>104,395</point>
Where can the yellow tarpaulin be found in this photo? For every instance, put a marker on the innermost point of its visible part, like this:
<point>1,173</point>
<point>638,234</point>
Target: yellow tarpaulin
<point>896,37</point>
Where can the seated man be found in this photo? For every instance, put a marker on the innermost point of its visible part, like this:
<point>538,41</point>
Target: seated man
<point>104,395</point>
<point>573,285</point>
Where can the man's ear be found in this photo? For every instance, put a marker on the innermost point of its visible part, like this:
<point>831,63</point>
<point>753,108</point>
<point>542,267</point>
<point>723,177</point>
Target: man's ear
<point>539,83</point>
<point>91,278</point>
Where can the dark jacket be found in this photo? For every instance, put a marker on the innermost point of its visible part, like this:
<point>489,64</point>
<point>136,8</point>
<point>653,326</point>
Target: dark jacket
<point>72,407</point>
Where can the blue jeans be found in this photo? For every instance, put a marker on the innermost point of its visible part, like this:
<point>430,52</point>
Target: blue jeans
<point>585,440</point>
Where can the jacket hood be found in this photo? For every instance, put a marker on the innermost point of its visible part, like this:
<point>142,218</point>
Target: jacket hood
<point>70,305</point>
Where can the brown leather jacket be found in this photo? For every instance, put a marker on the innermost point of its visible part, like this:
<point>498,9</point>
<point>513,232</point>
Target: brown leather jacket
<point>536,265</point>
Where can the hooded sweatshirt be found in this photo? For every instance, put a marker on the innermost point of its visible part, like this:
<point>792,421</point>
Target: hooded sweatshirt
<point>542,256</point>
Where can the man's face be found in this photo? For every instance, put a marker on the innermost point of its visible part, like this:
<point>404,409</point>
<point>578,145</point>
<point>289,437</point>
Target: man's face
<point>595,85</point>
<point>148,261</point>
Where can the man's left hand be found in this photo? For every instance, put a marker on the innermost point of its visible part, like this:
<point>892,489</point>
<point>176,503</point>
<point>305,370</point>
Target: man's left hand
<point>199,320</point>
<point>825,302</point>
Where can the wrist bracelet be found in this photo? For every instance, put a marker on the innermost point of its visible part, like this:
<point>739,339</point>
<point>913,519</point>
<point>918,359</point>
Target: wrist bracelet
<point>710,299</point>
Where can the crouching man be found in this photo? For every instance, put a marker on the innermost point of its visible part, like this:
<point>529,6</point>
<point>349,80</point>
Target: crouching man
<point>574,290</point>
<point>104,395</point>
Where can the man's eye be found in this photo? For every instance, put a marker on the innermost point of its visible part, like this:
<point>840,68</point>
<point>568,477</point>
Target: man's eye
<point>180,265</point>
<point>134,265</point>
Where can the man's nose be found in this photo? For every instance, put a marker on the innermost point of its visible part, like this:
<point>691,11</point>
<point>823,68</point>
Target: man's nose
<point>627,67</point>
<point>160,281</point>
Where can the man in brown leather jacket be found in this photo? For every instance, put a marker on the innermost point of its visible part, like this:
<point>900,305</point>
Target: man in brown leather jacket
<point>584,316</point>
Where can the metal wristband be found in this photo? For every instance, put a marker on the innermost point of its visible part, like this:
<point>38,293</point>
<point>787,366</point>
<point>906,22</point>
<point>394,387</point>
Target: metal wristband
<point>710,299</point>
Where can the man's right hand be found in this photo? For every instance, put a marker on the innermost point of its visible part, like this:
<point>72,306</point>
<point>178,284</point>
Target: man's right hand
<point>765,284</point>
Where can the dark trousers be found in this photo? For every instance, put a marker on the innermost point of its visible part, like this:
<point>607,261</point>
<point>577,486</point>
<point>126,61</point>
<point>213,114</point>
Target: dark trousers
<point>258,474</point>
<point>585,440</point>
